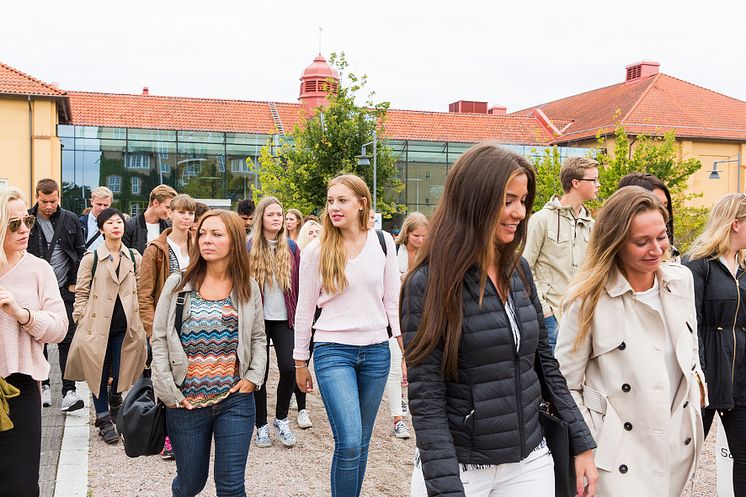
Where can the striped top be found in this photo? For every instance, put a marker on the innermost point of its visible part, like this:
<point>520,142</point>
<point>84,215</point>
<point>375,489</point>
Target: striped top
<point>210,340</point>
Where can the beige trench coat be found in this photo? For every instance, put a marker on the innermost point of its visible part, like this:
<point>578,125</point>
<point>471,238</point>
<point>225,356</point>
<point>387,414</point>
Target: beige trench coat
<point>94,304</point>
<point>647,444</point>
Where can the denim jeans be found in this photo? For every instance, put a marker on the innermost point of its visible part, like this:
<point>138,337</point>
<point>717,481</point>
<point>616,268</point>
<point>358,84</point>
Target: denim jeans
<point>231,422</point>
<point>113,356</point>
<point>351,381</point>
<point>552,325</point>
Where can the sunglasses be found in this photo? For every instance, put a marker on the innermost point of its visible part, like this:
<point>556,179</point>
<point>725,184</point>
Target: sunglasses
<point>15,223</point>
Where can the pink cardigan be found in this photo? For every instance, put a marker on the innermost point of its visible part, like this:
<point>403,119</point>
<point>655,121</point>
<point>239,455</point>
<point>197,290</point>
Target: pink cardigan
<point>34,286</point>
<point>357,316</point>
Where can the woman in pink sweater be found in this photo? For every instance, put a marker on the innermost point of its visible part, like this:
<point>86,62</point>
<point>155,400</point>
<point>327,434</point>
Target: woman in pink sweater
<point>356,286</point>
<point>32,313</point>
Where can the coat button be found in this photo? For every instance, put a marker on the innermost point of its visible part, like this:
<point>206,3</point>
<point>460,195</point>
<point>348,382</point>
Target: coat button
<point>622,346</point>
<point>623,469</point>
<point>687,441</point>
<point>626,387</point>
<point>686,404</point>
<point>628,426</point>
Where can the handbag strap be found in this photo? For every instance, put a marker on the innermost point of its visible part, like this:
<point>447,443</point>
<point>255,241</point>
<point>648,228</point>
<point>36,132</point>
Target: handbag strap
<point>180,301</point>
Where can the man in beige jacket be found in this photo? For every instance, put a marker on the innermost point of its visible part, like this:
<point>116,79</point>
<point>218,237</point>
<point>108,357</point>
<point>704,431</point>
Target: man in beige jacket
<point>558,235</point>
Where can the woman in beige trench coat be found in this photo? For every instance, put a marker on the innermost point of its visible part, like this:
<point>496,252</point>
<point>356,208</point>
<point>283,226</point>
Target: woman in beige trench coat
<point>628,348</point>
<point>110,335</point>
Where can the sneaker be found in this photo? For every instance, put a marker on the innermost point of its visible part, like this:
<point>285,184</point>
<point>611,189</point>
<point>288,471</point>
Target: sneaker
<point>286,434</point>
<point>304,421</point>
<point>167,454</point>
<point>106,430</point>
<point>115,403</point>
<point>46,395</point>
<point>71,402</point>
<point>400,430</point>
<point>262,437</point>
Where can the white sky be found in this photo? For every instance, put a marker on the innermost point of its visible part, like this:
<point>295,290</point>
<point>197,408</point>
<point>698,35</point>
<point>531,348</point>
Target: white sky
<point>417,54</point>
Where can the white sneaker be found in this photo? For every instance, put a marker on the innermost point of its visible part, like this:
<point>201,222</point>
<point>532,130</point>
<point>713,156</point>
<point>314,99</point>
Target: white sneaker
<point>400,430</point>
<point>304,420</point>
<point>293,403</point>
<point>262,437</point>
<point>46,395</point>
<point>287,437</point>
<point>71,402</point>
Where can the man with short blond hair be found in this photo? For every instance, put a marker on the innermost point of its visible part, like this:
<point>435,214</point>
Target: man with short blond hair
<point>558,236</point>
<point>101,198</point>
<point>149,225</point>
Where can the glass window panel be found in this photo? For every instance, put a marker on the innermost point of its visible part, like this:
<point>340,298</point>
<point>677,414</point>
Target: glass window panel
<point>151,134</point>
<point>100,132</point>
<point>65,130</point>
<point>253,150</point>
<point>247,138</point>
<point>67,143</point>
<point>87,144</point>
<point>143,147</point>
<point>113,145</point>
<point>200,148</point>
<point>201,136</point>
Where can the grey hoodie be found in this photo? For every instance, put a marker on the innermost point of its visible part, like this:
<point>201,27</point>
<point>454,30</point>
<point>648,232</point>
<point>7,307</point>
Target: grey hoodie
<point>555,249</point>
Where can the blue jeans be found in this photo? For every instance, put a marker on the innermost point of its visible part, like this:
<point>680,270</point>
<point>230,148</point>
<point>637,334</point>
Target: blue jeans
<point>552,325</point>
<point>231,422</point>
<point>351,381</point>
<point>112,358</point>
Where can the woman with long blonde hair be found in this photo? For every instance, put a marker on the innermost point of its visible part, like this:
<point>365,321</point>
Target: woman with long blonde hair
<point>308,232</point>
<point>717,259</point>
<point>274,260</point>
<point>629,353</point>
<point>293,221</point>
<point>355,283</point>
<point>411,237</point>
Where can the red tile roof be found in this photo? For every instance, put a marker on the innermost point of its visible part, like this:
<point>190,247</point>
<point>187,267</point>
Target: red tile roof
<point>652,105</point>
<point>157,112</point>
<point>15,82</point>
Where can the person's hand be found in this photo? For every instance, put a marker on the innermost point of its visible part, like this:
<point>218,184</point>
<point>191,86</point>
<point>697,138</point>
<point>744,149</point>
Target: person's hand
<point>243,386</point>
<point>187,405</point>
<point>585,467</point>
<point>548,314</point>
<point>304,379</point>
<point>404,381</point>
<point>9,306</point>
<point>71,288</point>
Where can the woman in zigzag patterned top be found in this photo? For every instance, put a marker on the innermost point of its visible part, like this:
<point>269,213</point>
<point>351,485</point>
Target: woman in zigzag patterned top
<point>209,357</point>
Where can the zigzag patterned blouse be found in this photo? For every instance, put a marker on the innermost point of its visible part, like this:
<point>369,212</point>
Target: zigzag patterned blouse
<point>210,339</point>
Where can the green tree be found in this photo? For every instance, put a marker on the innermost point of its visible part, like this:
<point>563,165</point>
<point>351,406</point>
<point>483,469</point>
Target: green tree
<point>325,145</point>
<point>547,166</point>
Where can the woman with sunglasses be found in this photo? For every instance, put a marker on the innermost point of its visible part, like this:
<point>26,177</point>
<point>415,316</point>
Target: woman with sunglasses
<point>32,313</point>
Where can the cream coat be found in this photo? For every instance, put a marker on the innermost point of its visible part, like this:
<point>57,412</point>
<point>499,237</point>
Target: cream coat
<point>647,446</point>
<point>94,304</point>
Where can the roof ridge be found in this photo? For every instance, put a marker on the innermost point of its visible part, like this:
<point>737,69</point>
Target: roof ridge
<point>35,80</point>
<point>174,97</point>
<point>469,114</point>
<point>634,106</point>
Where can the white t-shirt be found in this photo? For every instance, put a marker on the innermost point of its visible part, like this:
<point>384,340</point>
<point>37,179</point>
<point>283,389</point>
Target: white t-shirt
<point>154,231</point>
<point>181,258</point>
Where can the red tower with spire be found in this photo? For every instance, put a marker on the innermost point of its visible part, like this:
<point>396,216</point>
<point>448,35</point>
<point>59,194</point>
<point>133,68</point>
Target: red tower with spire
<point>317,81</point>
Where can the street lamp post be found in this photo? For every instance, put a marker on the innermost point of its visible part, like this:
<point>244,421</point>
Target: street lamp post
<point>364,161</point>
<point>715,174</point>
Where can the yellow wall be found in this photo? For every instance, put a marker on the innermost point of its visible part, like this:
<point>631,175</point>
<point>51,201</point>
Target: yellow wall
<point>15,167</point>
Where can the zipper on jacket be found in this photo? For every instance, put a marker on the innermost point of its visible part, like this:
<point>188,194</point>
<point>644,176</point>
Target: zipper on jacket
<point>735,318</point>
<point>521,434</point>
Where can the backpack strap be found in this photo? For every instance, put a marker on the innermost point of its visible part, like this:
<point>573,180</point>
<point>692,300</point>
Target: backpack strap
<point>382,241</point>
<point>180,300</point>
<point>95,264</point>
<point>134,263</point>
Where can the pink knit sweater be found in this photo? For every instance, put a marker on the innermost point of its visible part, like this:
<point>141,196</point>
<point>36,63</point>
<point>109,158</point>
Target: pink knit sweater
<point>357,316</point>
<point>34,286</point>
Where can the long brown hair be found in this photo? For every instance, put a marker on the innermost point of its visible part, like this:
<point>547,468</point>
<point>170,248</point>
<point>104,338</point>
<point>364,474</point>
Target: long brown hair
<point>602,263</point>
<point>263,262</point>
<point>238,265</point>
<point>461,235</point>
<point>333,258</point>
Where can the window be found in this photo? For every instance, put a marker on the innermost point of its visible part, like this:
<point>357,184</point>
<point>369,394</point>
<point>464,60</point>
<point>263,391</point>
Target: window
<point>191,171</point>
<point>135,208</point>
<point>135,185</point>
<point>239,166</point>
<point>221,163</point>
<point>138,161</point>
<point>114,183</point>
<point>162,150</point>
<point>427,175</point>
<point>165,168</point>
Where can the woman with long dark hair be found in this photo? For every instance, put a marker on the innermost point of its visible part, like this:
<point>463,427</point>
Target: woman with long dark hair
<point>475,337</point>
<point>356,285</point>
<point>207,370</point>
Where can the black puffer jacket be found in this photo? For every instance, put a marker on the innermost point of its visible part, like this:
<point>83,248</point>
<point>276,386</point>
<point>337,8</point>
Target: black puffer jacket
<point>490,415</point>
<point>721,323</point>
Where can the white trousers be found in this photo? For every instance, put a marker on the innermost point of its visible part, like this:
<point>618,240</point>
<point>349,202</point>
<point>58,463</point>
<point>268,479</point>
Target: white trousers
<point>393,384</point>
<point>532,477</point>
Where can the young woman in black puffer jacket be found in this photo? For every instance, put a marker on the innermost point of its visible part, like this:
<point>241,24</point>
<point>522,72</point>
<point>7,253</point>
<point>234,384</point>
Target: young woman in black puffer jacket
<point>474,334</point>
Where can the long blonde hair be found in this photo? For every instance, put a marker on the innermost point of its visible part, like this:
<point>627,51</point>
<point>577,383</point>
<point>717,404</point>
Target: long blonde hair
<point>265,263</point>
<point>602,263</point>
<point>714,241</point>
<point>333,257</point>
<point>7,196</point>
<point>411,222</point>
<point>303,240</point>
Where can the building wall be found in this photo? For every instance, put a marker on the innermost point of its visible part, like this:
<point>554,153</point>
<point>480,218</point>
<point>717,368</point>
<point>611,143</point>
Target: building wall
<point>15,165</point>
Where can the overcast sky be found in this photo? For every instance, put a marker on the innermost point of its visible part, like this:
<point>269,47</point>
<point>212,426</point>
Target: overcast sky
<point>417,54</point>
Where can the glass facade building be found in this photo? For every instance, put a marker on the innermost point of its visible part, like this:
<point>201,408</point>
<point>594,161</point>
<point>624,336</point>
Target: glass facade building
<point>213,165</point>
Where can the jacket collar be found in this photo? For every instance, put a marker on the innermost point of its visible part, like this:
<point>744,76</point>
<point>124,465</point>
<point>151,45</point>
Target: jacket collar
<point>35,211</point>
<point>618,284</point>
<point>566,210</point>
<point>103,252</point>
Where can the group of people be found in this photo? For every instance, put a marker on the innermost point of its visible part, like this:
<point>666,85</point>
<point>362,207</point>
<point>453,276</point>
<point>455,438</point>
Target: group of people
<point>486,312</point>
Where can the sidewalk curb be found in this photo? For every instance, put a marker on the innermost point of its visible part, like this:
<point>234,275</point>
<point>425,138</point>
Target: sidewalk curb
<point>72,468</point>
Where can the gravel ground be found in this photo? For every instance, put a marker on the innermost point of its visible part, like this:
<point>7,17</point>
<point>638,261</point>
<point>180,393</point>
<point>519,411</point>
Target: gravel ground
<point>302,470</point>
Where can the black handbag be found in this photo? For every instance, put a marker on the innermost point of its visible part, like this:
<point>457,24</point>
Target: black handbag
<point>142,420</point>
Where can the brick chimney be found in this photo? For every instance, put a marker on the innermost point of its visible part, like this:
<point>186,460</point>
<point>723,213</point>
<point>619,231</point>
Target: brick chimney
<point>640,70</point>
<point>468,107</point>
<point>145,91</point>
<point>498,110</point>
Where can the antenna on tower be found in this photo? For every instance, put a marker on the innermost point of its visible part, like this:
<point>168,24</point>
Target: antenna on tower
<point>321,30</point>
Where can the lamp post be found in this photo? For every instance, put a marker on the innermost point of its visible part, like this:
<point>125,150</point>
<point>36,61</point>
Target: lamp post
<point>363,160</point>
<point>715,174</point>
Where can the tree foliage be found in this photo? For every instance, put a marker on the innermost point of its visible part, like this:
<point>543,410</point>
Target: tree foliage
<point>298,169</point>
<point>547,166</point>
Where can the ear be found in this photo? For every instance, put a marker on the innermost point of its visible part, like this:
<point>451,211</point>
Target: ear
<point>735,226</point>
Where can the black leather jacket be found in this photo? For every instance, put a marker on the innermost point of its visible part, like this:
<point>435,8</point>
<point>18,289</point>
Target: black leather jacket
<point>490,415</point>
<point>136,232</point>
<point>70,239</point>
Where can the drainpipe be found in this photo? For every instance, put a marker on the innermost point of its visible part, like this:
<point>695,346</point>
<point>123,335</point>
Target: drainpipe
<point>30,147</point>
